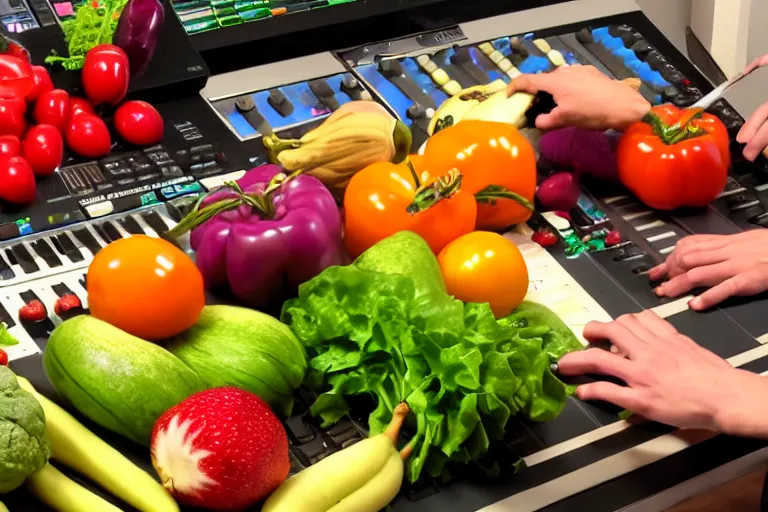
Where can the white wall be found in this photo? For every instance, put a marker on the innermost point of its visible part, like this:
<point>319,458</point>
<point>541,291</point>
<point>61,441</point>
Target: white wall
<point>671,17</point>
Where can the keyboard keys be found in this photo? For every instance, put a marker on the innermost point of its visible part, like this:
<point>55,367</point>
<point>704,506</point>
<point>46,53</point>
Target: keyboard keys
<point>5,317</point>
<point>45,251</point>
<point>24,259</point>
<point>88,240</point>
<point>111,231</point>
<point>131,226</point>
<point>68,247</point>
<point>6,272</point>
<point>155,222</point>
<point>33,315</point>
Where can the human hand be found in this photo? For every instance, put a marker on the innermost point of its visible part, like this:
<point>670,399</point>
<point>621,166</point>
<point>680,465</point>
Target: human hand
<point>730,265</point>
<point>670,379</point>
<point>585,98</point>
<point>754,133</point>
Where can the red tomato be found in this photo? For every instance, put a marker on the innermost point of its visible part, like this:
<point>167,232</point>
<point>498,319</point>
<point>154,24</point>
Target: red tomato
<point>53,108</point>
<point>12,110</point>
<point>139,123</point>
<point>105,74</point>
<point>42,83</point>
<point>15,75</point>
<point>79,106</point>
<point>9,146</point>
<point>88,136</point>
<point>43,148</point>
<point>17,181</point>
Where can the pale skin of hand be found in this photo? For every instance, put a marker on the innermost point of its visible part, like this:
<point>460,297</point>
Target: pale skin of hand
<point>585,97</point>
<point>729,265</point>
<point>754,133</point>
<point>670,379</point>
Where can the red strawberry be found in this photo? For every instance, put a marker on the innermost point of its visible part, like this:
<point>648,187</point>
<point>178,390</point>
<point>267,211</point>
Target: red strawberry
<point>222,449</point>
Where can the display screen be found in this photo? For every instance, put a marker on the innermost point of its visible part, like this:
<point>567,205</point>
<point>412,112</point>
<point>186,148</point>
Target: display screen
<point>204,15</point>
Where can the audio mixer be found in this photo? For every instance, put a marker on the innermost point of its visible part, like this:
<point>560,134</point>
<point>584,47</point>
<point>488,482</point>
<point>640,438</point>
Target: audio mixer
<point>585,459</point>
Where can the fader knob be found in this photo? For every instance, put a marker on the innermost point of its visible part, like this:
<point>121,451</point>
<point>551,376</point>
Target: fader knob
<point>584,36</point>
<point>349,82</point>
<point>641,48</point>
<point>655,60</point>
<point>416,111</point>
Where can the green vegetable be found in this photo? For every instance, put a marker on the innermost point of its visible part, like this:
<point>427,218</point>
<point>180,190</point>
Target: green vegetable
<point>22,433</point>
<point>230,346</point>
<point>371,331</point>
<point>6,338</point>
<point>119,381</point>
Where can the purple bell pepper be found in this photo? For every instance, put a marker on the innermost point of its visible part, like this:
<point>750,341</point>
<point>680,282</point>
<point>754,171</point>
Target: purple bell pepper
<point>258,255</point>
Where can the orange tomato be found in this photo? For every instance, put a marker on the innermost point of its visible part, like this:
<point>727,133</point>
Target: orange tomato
<point>485,267</point>
<point>487,153</point>
<point>378,201</point>
<point>145,286</point>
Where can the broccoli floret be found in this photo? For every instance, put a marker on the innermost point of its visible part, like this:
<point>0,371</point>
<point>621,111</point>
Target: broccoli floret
<point>23,446</point>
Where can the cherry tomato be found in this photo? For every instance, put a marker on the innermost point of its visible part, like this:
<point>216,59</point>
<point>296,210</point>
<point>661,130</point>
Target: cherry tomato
<point>79,106</point>
<point>43,148</point>
<point>9,146</point>
<point>15,76</point>
<point>17,181</point>
<point>106,74</point>
<point>88,136</point>
<point>52,108</point>
<point>485,267</point>
<point>3,358</point>
<point>42,83</point>
<point>145,286</point>
<point>139,123</point>
<point>12,109</point>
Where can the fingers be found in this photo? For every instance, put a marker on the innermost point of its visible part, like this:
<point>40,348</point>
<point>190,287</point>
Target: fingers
<point>616,333</point>
<point>758,142</point>
<point>709,275</point>
<point>690,252</point>
<point>595,361</point>
<point>624,397</point>
<point>755,121</point>
<point>757,63</point>
<point>555,119</point>
<point>531,84</point>
<point>657,326</point>
<point>747,283</point>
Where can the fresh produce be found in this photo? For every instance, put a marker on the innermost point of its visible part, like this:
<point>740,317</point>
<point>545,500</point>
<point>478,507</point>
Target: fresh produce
<point>6,338</point>
<point>79,106</point>
<point>145,286</point>
<point>13,48</point>
<point>675,158</point>
<point>12,111</point>
<point>25,448</point>
<point>382,327</point>
<point>17,181</point>
<point>584,151</point>
<point>3,508</point>
<point>9,146</point>
<point>357,134</point>
<point>43,148</point>
<point>138,32</point>
<point>106,75</point>
<point>53,108</point>
<point>559,192</point>
<point>221,449</point>
<point>485,267</point>
<point>119,381</point>
<point>497,164</point>
<point>3,358</point>
<point>60,493</point>
<point>365,477</point>
<point>385,198</point>
<point>42,83</point>
<point>265,235</point>
<point>231,346</point>
<point>15,76</point>
<point>78,448</point>
<point>138,122</point>
<point>88,136</point>
<point>482,103</point>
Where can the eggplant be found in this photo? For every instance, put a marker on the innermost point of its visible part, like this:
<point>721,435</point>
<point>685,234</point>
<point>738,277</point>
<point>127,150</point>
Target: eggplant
<point>138,32</point>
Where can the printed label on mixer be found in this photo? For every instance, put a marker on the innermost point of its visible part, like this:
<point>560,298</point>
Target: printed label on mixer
<point>136,190</point>
<point>442,37</point>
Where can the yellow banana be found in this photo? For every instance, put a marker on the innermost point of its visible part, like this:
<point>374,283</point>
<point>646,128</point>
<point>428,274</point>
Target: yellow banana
<point>362,478</point>
<point>65,495</point>
<point>356,135</point>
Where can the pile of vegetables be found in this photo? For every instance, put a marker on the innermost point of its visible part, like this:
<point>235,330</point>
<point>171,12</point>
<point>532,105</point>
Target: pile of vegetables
<point>385,326</point>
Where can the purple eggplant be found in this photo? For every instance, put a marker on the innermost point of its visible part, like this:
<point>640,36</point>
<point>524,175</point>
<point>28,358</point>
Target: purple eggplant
<point>262,250</point>
<point>138,32</point>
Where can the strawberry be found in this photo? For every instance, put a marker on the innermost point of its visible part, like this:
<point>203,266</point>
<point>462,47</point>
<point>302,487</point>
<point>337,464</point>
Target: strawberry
<point>66,303</point>
<point>222,449</point>
<point>33,311</point>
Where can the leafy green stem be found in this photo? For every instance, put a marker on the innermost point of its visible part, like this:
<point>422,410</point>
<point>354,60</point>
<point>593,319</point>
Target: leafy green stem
<point>493,193</point>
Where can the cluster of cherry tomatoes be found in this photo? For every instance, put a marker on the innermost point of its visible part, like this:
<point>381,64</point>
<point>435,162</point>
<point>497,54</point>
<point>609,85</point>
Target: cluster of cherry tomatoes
<point>28,97</point>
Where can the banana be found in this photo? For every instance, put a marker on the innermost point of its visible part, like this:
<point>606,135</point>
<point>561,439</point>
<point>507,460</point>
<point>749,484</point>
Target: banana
<point>362,478</point>
<point>357,134</point>
<point>65,495</point>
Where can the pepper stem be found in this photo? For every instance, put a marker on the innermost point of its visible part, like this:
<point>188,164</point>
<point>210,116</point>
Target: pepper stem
<point>275,145</point>
<point>492,193</point>
<point>428,196</point>
<point>681,131</point>
<point>403,140</point>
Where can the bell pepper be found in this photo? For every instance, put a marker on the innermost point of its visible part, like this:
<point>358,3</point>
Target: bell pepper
<point>265,235</point>
<point>497,163</point>
<point>675,158</point>
<point>385,198</point>
<point>16,76</point>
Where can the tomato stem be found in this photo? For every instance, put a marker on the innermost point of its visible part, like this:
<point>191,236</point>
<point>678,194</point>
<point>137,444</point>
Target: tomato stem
<point>428,196</point>
<point>492,193</point>
<point>414,174</point>
<point>681,131</point>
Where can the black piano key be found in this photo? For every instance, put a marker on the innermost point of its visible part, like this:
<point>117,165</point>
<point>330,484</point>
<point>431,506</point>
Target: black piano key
<point>61,289</point>
<point>130,225</point>
<point>111,231</point>
<point>83,281</point>
<point>45,251</point>
<point>88,240</point>
<point>6,317</point>
<point>36,329</point>
<point>155,222</point>
<point>24,258</point>
<point>6,272</point>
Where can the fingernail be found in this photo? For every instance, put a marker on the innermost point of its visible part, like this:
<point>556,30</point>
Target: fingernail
<point>694,303</point>
<point>658,291</point>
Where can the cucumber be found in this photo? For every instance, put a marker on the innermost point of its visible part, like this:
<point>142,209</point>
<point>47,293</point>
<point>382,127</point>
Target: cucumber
<point>80,449</point>
<point>65,495</point>
<point>119,381</point>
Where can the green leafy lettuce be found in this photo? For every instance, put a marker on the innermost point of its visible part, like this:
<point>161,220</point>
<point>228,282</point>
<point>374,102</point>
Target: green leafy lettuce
<point>6,338</point>
<point>462,372</point>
